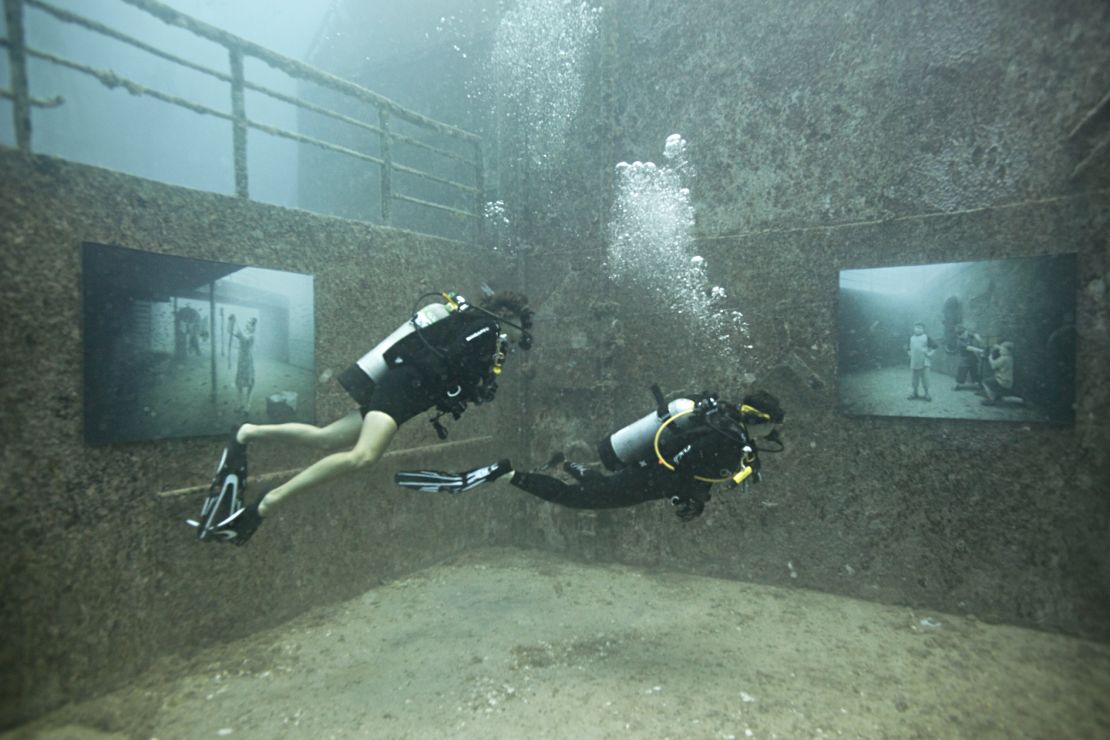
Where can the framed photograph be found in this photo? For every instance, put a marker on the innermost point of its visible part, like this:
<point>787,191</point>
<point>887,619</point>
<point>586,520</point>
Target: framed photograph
<point>179,347</point>
<point>993,340</point>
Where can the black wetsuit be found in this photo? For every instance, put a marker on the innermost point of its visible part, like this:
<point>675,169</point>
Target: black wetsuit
<point>700,451</point>
<point>628,487</point>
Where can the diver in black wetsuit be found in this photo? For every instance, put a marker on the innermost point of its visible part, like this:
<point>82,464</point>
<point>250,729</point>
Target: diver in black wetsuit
<point>446,355</point>
<point>675,453</point>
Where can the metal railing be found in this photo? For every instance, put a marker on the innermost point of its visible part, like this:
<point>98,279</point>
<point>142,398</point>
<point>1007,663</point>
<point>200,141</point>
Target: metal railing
<point>238,49</point>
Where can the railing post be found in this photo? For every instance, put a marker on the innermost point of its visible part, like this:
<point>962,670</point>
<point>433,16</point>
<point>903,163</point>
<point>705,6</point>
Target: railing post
<point>212,334</point>
<point>239,127</point>
<point>480,196</point>
<point>17,60</point>
<point>387,167</point>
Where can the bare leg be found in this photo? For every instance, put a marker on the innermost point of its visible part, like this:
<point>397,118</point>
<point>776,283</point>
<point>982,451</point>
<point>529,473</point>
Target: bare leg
<point>343,432</point>
<point>375,435</point>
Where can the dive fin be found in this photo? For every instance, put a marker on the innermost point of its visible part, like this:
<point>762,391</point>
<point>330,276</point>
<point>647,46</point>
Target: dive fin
<point>432,481</point>
<point>435,481</point>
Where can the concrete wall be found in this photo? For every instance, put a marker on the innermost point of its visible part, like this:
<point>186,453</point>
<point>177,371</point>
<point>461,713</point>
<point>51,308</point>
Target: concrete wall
<point>862,135</point>
<point>101,575</point>
<point>809,114</point>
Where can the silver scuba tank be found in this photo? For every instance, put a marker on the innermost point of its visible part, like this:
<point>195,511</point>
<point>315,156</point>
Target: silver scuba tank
<point>373,362</point>
<point>636,442</point>
<point>363,375</point>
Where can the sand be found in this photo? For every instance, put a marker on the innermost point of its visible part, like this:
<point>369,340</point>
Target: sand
<point>504,643</point>
<point>884,393</point>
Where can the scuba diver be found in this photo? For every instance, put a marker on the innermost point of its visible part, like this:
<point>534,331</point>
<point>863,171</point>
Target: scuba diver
<point>677,452</point>
<point>447,355</point>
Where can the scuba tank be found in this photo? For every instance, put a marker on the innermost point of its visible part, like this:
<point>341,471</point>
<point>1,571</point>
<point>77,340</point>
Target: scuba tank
<point>708,438</point>
<point>360,378</point>
<point>634,443</point>
<point>373,362</point>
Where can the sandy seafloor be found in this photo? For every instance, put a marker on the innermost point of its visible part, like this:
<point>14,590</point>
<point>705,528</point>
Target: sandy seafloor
<point>504,643</point>
<point>884,393</point>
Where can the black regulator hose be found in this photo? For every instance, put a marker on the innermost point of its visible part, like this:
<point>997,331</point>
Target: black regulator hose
<point>661,407</point>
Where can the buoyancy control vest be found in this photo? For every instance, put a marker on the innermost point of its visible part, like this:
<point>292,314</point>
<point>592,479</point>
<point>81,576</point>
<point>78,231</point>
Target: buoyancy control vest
<point>700,437</point>
<point>454,349</point>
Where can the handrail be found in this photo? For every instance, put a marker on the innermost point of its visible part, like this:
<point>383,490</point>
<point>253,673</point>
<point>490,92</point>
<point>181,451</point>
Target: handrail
<point>239,48</point>
<point>68,17</point>
<point>291,67</point>
<point>113,80</point>
<point>53,102</point>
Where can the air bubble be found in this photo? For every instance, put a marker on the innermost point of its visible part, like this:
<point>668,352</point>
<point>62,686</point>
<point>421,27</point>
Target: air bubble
<point>651,246</point>
<point>537,69</point>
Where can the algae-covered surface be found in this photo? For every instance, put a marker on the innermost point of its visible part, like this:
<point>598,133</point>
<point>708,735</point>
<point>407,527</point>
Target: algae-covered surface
<point>510,643</point>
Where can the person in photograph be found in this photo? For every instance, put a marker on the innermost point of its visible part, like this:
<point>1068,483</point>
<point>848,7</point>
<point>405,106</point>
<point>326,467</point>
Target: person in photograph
<point>181,337</point>
<point>244,369</point>
<point>920,351</point>
<point>709,442</point>
<point>1000,383</point>
<point>194,337</point>
<point>446,355</point>
<point>969,352</point>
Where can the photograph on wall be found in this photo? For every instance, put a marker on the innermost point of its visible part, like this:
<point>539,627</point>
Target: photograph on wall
<point>991,340</point>
<point>179,347</point>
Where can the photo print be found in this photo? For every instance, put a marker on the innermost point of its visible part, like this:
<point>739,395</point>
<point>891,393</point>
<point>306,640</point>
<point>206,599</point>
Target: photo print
<point>990,340</point>
<point>179,347</point>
